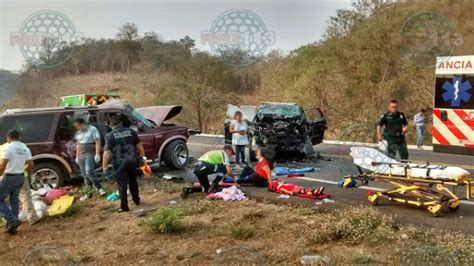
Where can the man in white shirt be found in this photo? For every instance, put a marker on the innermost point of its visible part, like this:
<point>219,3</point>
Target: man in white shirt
<point>15,156</point>
<point>419,120</point>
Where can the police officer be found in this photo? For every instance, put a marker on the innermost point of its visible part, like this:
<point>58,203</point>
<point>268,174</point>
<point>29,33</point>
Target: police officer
<point>15,156</point>
<point>122,147</point>
<point>212,162</point>
<point>395,127</point>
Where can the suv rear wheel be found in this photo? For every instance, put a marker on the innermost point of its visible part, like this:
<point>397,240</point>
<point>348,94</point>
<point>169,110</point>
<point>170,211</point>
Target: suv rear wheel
<point>49,174</point>
<point>176,154</point>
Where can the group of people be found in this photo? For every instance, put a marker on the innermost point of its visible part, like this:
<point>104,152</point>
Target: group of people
<point>123,153</point>
<point>218,162</point>
<point>392,127</point>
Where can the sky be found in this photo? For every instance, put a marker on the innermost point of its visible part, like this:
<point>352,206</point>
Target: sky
<point>294,22</point>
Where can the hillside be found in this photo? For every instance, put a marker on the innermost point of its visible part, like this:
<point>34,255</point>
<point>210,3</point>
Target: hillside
<point>351,73</point>
<point>6,85</point>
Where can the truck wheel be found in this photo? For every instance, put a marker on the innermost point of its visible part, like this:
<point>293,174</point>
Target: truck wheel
<point>47,174</point>
<point>176,154</point>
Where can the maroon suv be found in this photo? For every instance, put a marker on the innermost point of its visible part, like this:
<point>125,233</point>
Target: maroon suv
<point>49,134</point>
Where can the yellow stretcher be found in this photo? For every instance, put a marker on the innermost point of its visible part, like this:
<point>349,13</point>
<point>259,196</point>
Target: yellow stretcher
<point>433,193</point>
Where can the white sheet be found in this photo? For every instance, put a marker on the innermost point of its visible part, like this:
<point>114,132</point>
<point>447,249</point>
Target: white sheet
<point>364,157</point>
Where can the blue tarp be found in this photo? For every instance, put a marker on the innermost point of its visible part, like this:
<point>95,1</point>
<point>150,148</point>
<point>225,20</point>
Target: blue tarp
<point>285,170</point>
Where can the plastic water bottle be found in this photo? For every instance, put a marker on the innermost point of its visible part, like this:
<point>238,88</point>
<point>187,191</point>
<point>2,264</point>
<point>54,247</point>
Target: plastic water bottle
<point>315,260</point>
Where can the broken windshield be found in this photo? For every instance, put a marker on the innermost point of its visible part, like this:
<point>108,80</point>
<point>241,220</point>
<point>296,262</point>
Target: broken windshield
<point>139,116</point>
<point>279,110</point>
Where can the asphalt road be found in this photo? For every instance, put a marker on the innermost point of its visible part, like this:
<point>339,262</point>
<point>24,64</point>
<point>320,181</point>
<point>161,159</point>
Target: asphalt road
<point>334,165</point>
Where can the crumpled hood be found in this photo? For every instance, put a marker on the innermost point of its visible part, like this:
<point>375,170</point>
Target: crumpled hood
<point>159,114</point>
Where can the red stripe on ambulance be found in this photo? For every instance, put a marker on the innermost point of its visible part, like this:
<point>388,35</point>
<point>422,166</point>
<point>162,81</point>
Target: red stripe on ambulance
<point>451,126</point>
<point>465,117</point>
<point>439,137</point>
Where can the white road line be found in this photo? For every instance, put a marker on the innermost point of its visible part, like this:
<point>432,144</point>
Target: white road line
<point>467,202</point>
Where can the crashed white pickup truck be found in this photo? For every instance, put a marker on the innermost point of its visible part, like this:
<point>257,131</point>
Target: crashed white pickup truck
<point>286,127</point>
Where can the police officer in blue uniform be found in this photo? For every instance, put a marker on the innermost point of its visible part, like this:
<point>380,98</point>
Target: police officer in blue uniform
<point>124,149</point>
<point>395,127</point>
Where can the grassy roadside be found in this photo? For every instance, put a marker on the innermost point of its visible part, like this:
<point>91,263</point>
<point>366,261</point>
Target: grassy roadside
<point>199,231</point>
<point>355,235</point>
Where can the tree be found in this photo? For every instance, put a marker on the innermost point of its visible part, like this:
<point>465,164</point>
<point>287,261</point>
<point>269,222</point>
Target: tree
<point>130,46</point>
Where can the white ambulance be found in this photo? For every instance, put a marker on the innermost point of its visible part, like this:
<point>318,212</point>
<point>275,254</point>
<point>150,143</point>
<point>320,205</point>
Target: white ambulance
<point>453,113</point>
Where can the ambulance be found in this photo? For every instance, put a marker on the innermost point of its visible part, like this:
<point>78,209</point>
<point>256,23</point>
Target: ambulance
<point>453,112</point>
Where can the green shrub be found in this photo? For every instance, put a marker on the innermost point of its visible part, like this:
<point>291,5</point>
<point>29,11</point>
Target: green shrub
<point>243,232</point>
<point>355,225</point>
<point>165,220</point>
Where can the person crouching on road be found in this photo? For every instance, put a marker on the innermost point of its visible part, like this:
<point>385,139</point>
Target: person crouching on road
<point>88,152</point>
<point>262,175</point>
<point>212,162</point>
<point>395,126</point>
<point>122,148</point>
<point>239,128</point>
<point>15,156</point>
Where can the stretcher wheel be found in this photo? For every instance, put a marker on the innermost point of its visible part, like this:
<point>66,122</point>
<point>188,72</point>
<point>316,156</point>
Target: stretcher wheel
<point>436,210</point>
<point>453,206</point>
<point>453,209</point>
<point>374,199</point>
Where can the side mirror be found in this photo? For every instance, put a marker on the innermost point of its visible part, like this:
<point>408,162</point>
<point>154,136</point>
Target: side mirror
<point>141,126</point>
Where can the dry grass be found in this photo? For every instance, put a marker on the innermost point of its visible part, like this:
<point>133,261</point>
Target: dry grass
<point>191,231</point>
<point>354,226</point>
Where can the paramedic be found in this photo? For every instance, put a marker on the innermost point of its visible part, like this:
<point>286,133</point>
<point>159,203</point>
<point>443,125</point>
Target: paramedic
<point>122,148</point>
<point>212,162</point>
<point>15,156</point>
<point>420,128</point>
<point>395,127</point>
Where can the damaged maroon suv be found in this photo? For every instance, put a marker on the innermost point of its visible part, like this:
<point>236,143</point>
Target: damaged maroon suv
<point>49,134</point>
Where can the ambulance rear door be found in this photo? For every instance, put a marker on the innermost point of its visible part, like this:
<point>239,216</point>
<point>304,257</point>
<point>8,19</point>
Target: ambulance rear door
<point>453,112</point>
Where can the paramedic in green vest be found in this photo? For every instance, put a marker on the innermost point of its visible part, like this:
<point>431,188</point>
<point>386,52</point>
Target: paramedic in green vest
<point>212,162</point>
<point>395,126</point>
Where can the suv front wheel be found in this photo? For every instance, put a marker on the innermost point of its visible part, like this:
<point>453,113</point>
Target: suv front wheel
<point>176,154</point>
<point>47,174</point>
